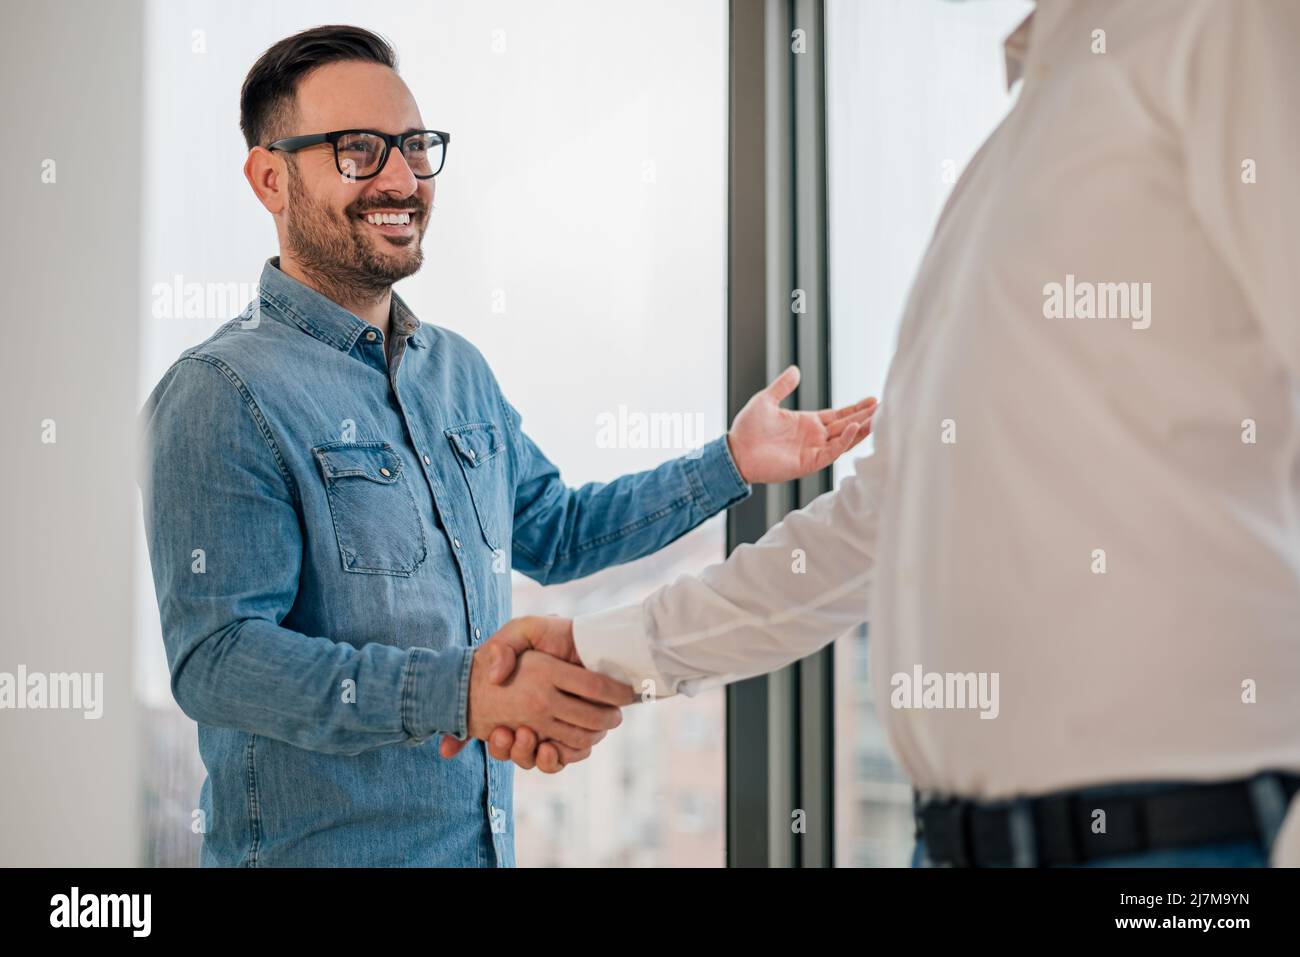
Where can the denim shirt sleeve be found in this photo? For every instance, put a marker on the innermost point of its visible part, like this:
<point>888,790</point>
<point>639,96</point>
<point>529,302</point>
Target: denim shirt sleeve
<point>225,544</point>
<point>562,533</point>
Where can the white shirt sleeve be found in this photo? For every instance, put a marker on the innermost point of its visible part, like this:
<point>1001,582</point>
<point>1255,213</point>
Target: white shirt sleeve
<point>798,588</point>
<point>1241,134</point>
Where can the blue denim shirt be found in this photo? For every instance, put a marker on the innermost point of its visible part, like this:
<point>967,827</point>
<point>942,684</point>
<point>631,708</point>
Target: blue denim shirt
<point>331,535</point>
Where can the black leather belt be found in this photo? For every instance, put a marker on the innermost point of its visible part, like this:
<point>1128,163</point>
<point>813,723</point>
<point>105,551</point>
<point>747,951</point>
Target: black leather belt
<point>1064,828</point>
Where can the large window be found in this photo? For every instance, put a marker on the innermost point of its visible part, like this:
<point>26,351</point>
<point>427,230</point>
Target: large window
<point>912,88</point>
<point>578,241</point>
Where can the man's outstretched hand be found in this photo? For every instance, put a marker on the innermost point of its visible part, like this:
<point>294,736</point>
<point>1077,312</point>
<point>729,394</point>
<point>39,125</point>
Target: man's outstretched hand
<point>516,689</point>
<point>772,444</point>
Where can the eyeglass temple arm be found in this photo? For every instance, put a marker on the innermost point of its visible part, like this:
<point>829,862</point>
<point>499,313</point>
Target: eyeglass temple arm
<point>292,143</point>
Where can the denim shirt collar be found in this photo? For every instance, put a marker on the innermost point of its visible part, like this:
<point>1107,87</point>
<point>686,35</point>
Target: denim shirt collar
<point>322,317</point>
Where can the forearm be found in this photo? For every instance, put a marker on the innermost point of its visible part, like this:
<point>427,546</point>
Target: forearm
<point>318,694</point>
<point>805,583</point>
<point>563,533</point>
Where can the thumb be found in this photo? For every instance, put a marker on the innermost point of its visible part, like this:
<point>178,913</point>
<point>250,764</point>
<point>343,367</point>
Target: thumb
<point>784,384</point>
<point>450,747</point>
<point>504,648</point>
<point>501,660</point>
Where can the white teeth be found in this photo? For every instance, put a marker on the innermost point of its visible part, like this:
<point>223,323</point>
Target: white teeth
<point>389,219</point>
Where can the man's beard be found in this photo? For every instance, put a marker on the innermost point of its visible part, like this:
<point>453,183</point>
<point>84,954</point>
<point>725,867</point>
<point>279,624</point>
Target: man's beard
<point>331,249</point>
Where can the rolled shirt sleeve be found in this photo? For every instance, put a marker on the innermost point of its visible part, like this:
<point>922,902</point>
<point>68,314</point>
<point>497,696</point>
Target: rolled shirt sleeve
<point>563,533</point>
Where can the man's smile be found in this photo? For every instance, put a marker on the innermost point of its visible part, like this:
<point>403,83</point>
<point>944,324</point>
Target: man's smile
<point>391,222</point>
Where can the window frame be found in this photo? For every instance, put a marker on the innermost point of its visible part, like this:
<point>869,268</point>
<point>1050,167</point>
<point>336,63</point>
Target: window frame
<point>780,727</point>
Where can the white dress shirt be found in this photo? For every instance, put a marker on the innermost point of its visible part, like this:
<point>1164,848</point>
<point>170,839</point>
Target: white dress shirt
<point>1104,511</point>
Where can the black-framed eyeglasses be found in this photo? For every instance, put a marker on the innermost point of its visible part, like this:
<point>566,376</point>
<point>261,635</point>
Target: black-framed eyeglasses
<point>361,154</point>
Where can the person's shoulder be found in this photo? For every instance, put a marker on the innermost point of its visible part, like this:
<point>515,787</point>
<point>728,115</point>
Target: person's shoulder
<point>234,353</point>
<point>456,351</point>
<point>192,385</point>
<point>252,338</point>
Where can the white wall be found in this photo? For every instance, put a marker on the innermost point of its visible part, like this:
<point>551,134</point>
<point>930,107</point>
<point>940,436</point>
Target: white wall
<point>69,92</point>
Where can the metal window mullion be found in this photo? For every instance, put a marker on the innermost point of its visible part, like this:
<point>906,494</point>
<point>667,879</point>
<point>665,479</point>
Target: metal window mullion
<point>816,673</point>
<point>747,797</point>
<point>782,350</point>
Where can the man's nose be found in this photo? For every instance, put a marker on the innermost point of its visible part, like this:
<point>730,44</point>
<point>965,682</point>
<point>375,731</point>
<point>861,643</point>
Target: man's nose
<point>396,175</point>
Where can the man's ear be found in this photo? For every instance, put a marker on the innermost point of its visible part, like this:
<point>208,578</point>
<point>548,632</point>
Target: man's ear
<point>266,173</point>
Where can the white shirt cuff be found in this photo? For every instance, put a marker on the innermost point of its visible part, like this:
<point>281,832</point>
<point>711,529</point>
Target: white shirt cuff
<point>616,644</point>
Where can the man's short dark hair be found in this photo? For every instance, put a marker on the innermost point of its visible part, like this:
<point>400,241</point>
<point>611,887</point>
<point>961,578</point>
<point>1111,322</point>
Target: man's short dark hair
<point>267,100</point>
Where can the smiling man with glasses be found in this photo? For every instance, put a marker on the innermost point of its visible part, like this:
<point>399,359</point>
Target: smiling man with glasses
<point>335,495</point>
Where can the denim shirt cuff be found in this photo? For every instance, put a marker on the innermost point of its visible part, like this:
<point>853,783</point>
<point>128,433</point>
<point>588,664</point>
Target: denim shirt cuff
<point>435,692</point>
<point>715,480</point>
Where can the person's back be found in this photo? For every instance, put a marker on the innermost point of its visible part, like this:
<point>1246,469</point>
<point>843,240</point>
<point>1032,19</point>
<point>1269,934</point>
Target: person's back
<point>1101,318</point>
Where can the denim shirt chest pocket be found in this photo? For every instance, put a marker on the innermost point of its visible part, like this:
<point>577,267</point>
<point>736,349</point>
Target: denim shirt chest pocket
<point>376,519</point>
<point>478,447</point>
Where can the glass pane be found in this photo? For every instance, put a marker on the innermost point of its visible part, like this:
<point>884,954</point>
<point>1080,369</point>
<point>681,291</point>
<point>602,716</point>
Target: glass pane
<point>913,88</point>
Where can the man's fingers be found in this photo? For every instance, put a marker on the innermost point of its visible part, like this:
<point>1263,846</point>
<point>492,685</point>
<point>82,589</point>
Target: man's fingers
<point>524,752</point>
<point>553,757</point>
<point>593,686</point>
<point>861,418</point>
<point>499,743</point>
<point>584,714</point>
<point>549,760</point>
<point>862,434</point>
<point>838,446</point>
<point>571,735</point>
<point>834,415</point>
<point>527,752</point>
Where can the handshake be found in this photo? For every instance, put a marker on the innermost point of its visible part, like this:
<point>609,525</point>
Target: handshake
<point>532,701</point>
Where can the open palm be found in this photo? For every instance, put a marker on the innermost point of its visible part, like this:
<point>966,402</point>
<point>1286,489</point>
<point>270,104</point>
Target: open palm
<point>772,444</point>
